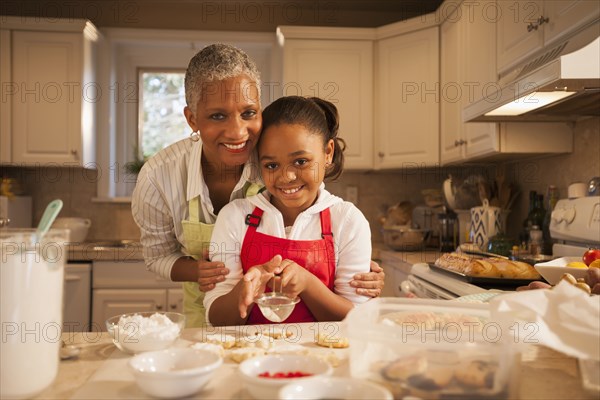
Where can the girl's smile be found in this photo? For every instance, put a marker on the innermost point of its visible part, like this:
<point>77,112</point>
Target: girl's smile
<point>292,161</point>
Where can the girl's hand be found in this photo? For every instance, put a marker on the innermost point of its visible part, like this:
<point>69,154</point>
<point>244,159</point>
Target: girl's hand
<point>371,283</point>
<point>255,281</point>
<point>293,279</point>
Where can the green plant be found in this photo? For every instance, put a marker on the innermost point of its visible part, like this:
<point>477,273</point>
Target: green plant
<point>134,167</point>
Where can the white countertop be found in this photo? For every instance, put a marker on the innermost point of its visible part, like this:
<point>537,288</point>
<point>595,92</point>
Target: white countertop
<point>101,371</point>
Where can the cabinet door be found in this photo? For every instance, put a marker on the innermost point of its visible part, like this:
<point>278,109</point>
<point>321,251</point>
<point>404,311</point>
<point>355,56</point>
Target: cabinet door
<point>515,42</point>
<point>478,59</point>
<point>341,72</point>
<point>110,302</point>
<point>567,16</point>
<point>46,109</point>
<point>452,88</point>
<point>407,106</point>
<point>175,300</point>
<point>5,110</point>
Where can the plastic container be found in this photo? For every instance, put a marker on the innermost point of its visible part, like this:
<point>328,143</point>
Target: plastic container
<point>31,302</point>
<point>430,348</point>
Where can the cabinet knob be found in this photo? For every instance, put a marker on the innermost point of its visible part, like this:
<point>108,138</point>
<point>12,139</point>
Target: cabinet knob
<point>159,307</point>
<point>173,306</point>
<point>456,143</point>
<point>380,154</point>
<point>532,27</point>
<point>542,20</point>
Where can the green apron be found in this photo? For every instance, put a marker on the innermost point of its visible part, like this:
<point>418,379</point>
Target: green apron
<point>196,238</point>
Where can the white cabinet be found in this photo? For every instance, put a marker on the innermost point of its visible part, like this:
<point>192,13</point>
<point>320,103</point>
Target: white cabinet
<point>407,100</point>
<point>468,60</point>
<point>341,72</point>
<point>52,92</point>
<point>127,287</point>
<point>526,26</point>
<point>5,105</point>
<point>467,73</point>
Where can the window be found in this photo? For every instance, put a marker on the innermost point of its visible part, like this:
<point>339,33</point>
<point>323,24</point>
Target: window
<point>160,110</point>
<point>151,64</point>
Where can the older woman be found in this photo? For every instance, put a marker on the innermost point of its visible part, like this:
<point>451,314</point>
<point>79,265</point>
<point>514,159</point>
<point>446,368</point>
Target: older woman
<point>182,188</point>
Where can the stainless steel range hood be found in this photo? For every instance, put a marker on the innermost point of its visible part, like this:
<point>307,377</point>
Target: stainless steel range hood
<point>563,84</point>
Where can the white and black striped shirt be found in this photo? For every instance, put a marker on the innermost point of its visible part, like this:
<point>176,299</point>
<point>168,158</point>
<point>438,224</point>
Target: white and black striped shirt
<point>165,185</point>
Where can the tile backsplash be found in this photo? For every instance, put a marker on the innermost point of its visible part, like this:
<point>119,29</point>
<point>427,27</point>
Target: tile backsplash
<point>376,189</point>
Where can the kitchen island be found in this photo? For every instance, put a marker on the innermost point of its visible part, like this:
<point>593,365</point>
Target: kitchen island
<point>100,371</point>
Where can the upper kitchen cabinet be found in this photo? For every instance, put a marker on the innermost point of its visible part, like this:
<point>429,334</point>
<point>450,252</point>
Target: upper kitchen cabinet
<point>407,99</point>
<point>336,65</point>
<point>468,73</point>
<point>50,91</point>
<point>5,110</point>
<point>526,26</point>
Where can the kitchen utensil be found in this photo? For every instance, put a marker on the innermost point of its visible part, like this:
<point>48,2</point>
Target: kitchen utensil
<point>174,373</point>
<point>463,194</point>
<point>594,186</point>
<point>473,249</point>
<point>448,231</point>
<point>31,305</point>
<point>485,223</point>
<point>145,331</point>
<point>78,227</point>
<point>334,388</point>
<point>68,351</point>
<point>50,213</point>
<point>261,387</point>
<point>276,306</point>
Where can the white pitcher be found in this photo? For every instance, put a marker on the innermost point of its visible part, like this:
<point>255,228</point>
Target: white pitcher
<point>485,223</point>
<point>31,310</point>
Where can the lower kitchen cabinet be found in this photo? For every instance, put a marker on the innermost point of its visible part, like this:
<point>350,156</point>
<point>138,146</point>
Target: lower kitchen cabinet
<point>128,287</point>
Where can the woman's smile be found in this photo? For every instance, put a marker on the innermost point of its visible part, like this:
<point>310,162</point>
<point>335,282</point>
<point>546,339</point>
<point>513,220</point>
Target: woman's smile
<point>236,147</point>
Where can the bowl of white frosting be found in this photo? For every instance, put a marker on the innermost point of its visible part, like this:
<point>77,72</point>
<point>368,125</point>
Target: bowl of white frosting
<point>145,331</point>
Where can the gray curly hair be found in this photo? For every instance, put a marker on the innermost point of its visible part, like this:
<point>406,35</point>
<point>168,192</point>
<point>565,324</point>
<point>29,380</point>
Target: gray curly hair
<point>216,62</point>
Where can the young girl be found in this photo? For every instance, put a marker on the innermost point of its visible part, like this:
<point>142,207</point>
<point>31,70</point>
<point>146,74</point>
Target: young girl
<point>312,239</point>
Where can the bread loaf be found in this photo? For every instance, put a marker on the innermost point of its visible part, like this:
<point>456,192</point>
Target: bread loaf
<point>489,267</point>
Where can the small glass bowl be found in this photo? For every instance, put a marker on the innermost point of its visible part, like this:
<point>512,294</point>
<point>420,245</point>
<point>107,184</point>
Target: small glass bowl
<point>276,306</point>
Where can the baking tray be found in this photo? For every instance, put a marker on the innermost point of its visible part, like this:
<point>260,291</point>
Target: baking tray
<point>482,281</point>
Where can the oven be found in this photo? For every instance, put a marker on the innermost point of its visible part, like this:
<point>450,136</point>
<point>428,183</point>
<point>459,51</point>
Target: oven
<point>574,226</point>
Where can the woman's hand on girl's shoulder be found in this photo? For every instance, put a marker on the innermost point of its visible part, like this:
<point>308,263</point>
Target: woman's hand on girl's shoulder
<point>370,283</point>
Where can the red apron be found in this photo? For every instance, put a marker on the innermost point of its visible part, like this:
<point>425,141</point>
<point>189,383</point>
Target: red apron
<point>317,256</point>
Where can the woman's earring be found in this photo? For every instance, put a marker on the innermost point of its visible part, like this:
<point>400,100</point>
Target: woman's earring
<point>195,136</point>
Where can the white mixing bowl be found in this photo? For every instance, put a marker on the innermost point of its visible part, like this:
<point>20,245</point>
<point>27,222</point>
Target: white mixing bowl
<point>78,227</point>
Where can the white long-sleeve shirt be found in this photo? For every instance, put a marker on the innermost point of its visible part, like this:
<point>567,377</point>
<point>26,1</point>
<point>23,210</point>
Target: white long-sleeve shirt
<point>351,235</point>
<point>165,185</point>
